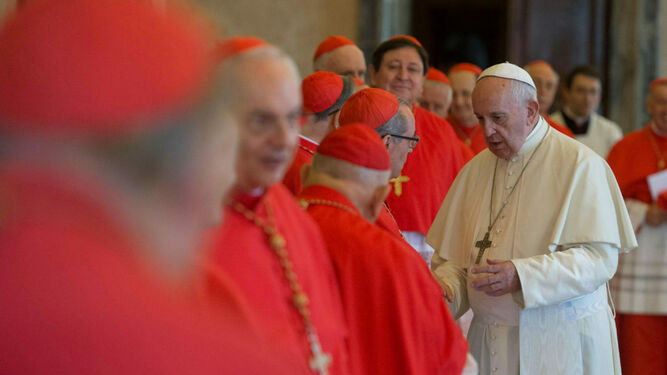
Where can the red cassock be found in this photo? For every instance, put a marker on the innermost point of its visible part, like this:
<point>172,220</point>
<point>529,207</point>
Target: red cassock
<point>304,155</point>
<point>399,323</point>
<point>427,174</point>
<point>240,250</point>
<point>633,159</point>
<point>640,337</point>
<point>387,222</point>
<point>558,126</point>
<point>472,136</point>
<point>75,299</point>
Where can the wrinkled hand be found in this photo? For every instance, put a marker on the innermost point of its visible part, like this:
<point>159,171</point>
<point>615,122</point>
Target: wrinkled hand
<point>499,278</point>
<point>447,293</point>
<point>655,216</point>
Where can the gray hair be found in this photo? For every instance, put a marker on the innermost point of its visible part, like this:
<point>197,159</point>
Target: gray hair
<point>522,92</point>
<point>398,124</point>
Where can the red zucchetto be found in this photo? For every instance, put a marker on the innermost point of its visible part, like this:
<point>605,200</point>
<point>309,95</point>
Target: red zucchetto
<point>331,43</point>
<point>321,91</point>
<point>658,81</point>
<point>466,67</point>
<point>408,37</point>
<point>103,66</point>
<point>373,107</point>
<point>236,45</point>
<point>437,75</point>
<point>357,144</point>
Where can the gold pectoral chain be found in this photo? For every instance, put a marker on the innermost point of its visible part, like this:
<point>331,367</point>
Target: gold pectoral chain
<point>319,361</point>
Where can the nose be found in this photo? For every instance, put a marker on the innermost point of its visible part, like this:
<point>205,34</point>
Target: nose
<point>283,134</point>
<point>403,73</point>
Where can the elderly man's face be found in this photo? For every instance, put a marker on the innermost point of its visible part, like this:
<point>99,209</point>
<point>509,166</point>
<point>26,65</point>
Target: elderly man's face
<point>657,107</point>
<point>399,148</point>
<point>583,97</point>
<point>436,98</point>
<point>463,83</point>
<point>546,82</point>
<point>268,109</point>
<point>505,120</point>
<point>401,73</point>
<point>346,61</point>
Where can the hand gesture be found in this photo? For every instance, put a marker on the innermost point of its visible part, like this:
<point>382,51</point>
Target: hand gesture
<point>497,278</point>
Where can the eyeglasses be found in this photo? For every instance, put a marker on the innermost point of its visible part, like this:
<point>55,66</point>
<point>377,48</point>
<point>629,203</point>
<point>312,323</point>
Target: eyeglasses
<point>413,140</point>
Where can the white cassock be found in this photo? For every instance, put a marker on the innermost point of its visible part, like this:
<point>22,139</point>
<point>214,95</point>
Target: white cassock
<point>601,136</point>
<point>562,228</point>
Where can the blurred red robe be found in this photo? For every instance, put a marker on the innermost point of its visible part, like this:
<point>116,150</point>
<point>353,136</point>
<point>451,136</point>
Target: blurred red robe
<point>76,299</point>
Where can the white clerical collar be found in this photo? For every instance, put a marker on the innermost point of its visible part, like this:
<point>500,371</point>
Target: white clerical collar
<point>535,136</point>
<point>308,139</point>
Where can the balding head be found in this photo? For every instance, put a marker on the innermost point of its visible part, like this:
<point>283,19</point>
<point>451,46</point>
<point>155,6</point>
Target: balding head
<point>347,60</point>
<point>546,81</point>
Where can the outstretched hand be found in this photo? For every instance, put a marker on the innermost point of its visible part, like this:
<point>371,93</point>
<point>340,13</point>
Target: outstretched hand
<point>497,278</point>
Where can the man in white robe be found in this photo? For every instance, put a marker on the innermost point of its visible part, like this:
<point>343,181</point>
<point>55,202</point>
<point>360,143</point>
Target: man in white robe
<point>538,291</point>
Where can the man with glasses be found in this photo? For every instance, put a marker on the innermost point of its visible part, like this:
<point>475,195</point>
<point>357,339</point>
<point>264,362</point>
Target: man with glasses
<point>582,91</point>
<point>392,119</point>
<point>399,66</point>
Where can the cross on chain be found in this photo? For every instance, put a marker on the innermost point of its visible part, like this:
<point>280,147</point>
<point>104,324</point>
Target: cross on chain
<point>320,361</point>
<point>482,245</point>
<point>398,184</point>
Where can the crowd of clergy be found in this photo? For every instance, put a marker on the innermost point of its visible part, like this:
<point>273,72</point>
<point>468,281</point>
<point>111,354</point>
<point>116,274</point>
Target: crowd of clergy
<point>176,202</point>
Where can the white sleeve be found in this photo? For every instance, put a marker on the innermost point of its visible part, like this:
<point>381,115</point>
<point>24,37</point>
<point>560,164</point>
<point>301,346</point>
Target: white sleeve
<point>637,211</point>
<point>454,277</point>
<point>470,367</point>
<point>562,275</point>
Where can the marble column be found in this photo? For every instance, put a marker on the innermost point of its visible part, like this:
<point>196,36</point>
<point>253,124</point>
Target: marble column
<point>638,40</point>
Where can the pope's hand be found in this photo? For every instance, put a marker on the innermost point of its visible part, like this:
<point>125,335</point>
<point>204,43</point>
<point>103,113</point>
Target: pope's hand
<point>498,278</point>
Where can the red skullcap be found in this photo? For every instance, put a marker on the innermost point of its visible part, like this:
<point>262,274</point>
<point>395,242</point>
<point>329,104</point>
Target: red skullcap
<point>437,75</point>
<point>539,62</point>
<point>658,81</point>
<point>320,91</point>
<point>373,107</point>
<point>466,67</point>
<point>233,46</point>
<point>331,43</point>
<point>359,82</point>
<point>357,144</point>
<point>100,66</point>
<point>408,37</point>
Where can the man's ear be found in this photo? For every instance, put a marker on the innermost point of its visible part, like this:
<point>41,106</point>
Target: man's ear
<point>386,139</point>
<point>333,121</point>
<point>533,111</point>
<point>378,198</point>
<point>304,173</point>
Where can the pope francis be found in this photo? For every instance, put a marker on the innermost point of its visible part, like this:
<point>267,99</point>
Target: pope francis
<point>528,237</point>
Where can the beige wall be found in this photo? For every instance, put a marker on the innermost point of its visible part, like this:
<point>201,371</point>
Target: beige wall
<point>297,26</point>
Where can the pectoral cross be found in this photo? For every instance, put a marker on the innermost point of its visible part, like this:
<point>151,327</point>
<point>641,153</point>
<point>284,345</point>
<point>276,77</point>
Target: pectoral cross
<point>482,246</point>
<point>320,361</point>
<point>398,184</point>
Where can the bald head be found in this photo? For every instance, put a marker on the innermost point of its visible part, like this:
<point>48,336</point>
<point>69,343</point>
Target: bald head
<point>546,81</point>
<point>347,60</point>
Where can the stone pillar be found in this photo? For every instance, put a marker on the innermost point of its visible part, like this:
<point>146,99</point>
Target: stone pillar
<point>381,19</point>
<point>635,58</point>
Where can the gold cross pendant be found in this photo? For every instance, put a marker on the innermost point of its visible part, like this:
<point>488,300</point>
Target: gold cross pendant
<point>482,246</point>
